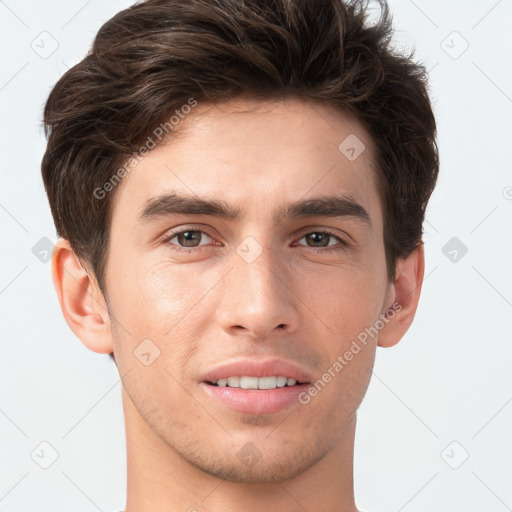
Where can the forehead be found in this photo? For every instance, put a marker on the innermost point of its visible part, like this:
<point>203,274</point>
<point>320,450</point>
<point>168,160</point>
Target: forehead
<point>253,153</point>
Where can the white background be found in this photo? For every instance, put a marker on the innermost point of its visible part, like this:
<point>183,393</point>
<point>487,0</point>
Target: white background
<point>449,379</point>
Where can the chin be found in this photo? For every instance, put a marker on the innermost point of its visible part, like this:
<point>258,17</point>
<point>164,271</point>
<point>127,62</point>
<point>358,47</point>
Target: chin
<point>252,466</point>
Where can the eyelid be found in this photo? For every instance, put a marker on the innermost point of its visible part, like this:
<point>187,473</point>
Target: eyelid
<point>328,232</point>
<point>183,228</point>
<point>342,236</point>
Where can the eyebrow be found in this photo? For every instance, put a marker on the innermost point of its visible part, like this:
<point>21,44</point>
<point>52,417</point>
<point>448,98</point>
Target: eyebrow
<point>326,206</point>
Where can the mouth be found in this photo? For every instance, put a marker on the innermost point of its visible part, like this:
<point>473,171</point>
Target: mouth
<point>256,386</point>
<point>257,396</point>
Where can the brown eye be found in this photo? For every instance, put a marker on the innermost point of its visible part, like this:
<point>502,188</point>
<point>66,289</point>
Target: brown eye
<point>187,239</point>
<point>321,242</point>
<point>320,239</point>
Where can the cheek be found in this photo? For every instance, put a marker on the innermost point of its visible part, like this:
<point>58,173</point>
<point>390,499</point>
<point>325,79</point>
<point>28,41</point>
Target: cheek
<point>151,296</point>
<point>348,299</point>
<point>348,308</point>
<point>166,304</point>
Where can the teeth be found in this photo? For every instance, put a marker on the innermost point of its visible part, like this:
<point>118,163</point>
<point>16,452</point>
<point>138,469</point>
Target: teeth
<point>281,382</point>
<point>247,382</point>
<point>267,382</point>
<point>234,382</point>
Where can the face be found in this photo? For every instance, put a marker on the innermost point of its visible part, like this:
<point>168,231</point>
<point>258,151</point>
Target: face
<point>199,289</point>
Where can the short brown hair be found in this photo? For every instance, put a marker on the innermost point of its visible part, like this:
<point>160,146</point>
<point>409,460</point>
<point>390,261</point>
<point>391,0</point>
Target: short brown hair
<point>150,59</point>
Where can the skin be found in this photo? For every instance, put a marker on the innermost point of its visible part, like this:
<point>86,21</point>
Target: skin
<point>205,307</point>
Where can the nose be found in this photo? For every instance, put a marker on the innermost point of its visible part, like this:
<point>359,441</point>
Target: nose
<point>258,298</point>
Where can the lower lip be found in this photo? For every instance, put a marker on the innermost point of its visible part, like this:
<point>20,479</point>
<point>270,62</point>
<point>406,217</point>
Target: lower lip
<point>256,401</point>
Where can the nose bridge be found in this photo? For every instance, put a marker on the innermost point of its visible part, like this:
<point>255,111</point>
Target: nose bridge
<point>260,275</point>
<point>256,295</point>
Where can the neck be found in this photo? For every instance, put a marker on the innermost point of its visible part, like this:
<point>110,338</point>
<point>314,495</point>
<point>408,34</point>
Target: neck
<point>158,478</point>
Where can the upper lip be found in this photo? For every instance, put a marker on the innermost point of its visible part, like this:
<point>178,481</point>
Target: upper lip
<point>257,368</point>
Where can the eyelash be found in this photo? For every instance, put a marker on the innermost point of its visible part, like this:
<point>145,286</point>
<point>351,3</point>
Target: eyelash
<point>177,248</point>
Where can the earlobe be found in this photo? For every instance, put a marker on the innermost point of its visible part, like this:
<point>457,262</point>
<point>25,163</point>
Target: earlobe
<point>81,301</point>
<point>405,297</point>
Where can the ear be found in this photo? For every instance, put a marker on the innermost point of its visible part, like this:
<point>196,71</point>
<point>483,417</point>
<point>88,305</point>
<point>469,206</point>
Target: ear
<point>82,303</point>
<point>403,297</point>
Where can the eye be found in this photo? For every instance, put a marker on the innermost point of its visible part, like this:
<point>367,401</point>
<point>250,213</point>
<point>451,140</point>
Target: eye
<point>187,239</point>
<point>323,238</point>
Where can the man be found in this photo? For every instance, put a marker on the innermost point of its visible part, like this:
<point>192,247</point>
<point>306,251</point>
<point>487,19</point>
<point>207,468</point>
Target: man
<point>239,188</point>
